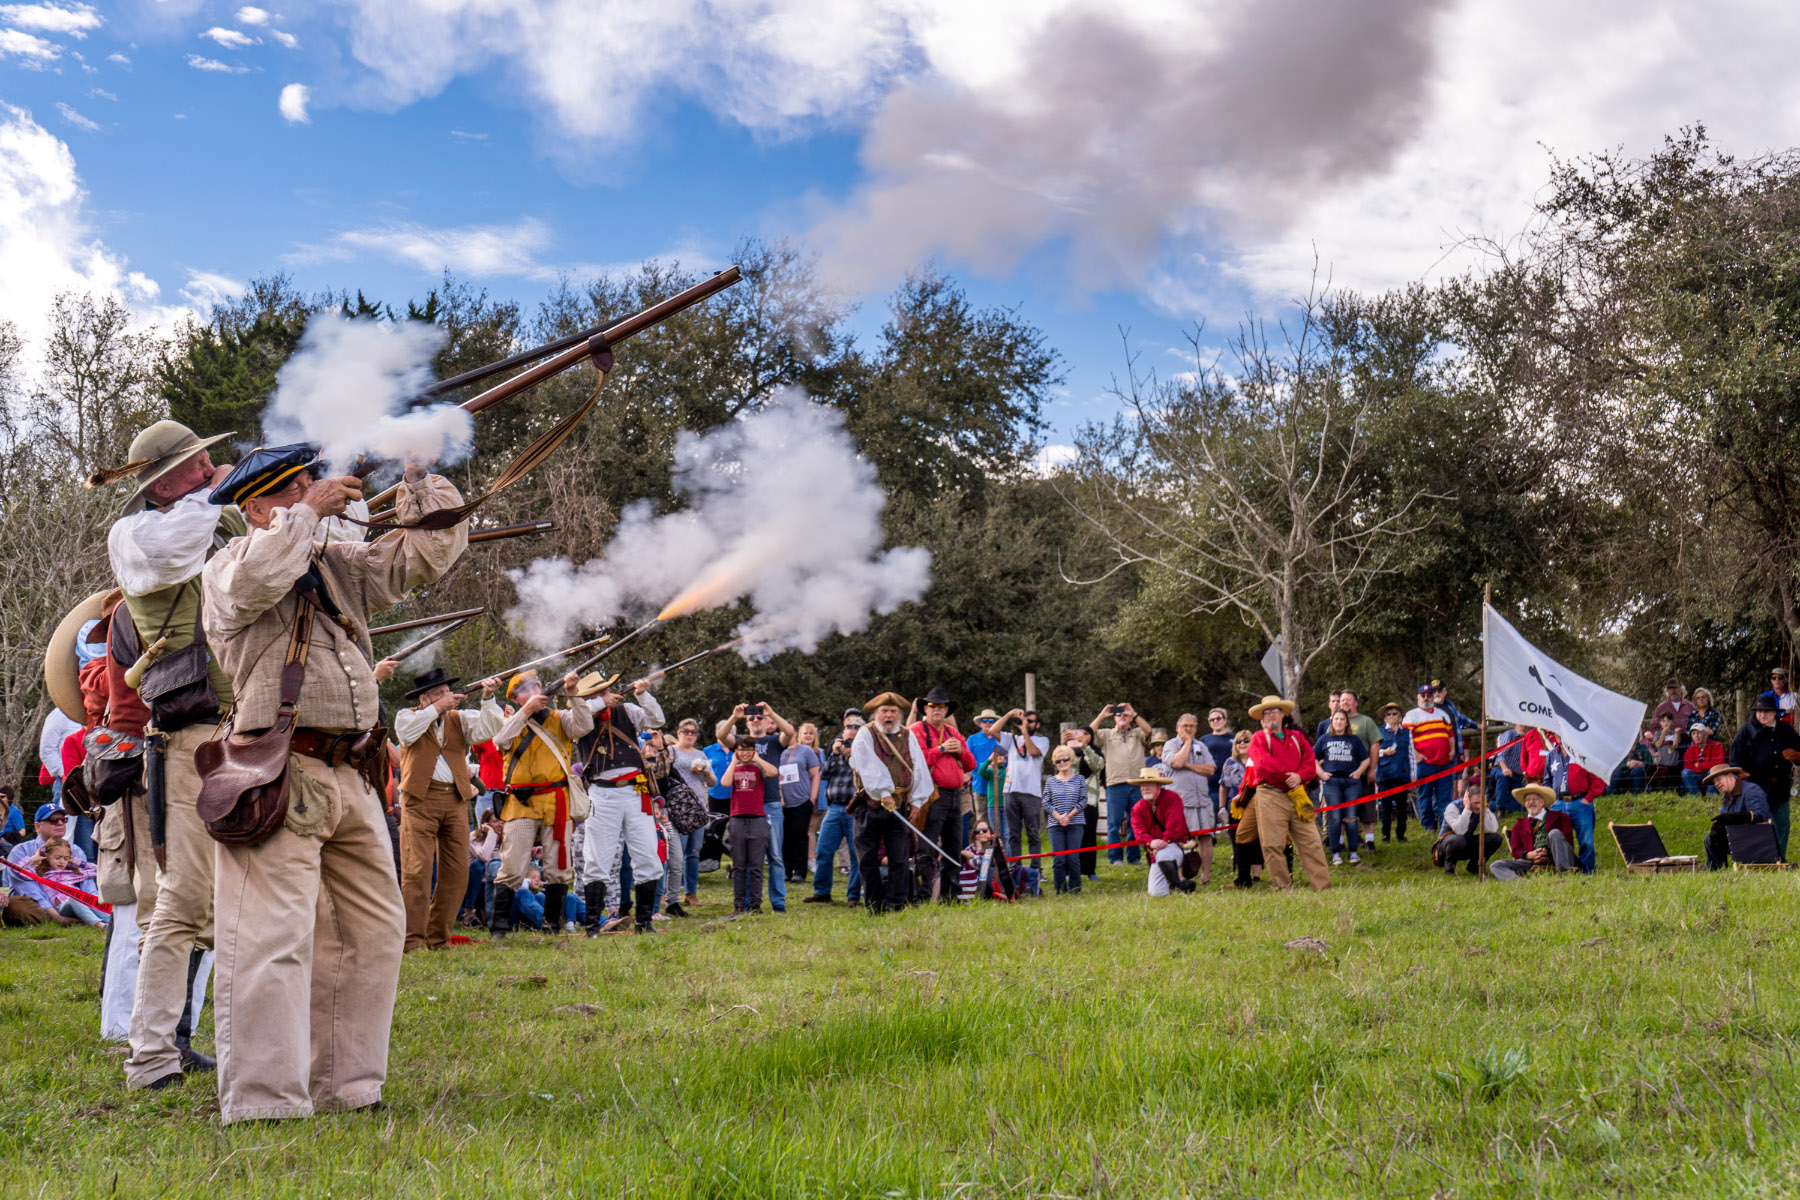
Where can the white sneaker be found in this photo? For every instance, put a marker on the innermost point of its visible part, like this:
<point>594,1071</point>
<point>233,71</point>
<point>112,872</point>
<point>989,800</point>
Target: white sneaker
<point>1337,860</point>
<point>659,916</point>
<point>1353,857</point>
<point>570,927</point>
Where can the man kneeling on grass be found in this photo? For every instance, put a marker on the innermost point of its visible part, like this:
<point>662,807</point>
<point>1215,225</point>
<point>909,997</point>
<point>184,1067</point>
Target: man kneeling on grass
<point>1159,821</point>
<point>1741,802</point>
<point>1460,830</point>
<point>1540,838</point>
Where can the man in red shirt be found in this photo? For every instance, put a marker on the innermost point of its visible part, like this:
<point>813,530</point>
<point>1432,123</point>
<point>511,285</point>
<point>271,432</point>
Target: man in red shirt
<point>951,764</point>
<point>1159,821</point>
<point>1282,763</point>
<point>1701,756</point>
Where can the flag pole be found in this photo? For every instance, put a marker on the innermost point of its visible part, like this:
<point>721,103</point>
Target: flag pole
<point>1487,599</point>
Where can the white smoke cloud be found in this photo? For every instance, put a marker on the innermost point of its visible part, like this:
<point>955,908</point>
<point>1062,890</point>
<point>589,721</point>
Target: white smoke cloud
<point>347,387</point>
<point>781,511</point>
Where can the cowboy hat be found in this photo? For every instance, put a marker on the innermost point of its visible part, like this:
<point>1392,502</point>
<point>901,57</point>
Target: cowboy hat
<point>430,679</point>
<point>1390,706</point>
<point>155,452</point>
<point>1534,789</point>
<point>62,670</point>
<point>1724,769</point>
<point>986,714</point>
<point>1765,703</point>
<point>938,695</point>
<point>593,683</point>
<point>894,699</point>
<point>1268,702</point>
<point>1148,777</point>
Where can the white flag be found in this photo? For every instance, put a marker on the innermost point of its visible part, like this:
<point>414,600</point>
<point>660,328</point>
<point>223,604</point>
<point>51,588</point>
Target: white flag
<point>1271,665</point>
<point>1525,686</point>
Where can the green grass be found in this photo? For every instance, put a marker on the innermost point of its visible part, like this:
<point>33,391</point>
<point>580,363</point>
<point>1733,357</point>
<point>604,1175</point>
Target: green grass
<point>1555,1037</point>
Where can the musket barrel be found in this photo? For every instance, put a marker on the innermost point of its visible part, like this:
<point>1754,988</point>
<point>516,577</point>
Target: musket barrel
<point>422,622</point>
<point>501,532</point>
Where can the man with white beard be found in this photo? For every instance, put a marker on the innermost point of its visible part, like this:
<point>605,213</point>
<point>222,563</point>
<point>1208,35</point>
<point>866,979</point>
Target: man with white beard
<point>890,770</point>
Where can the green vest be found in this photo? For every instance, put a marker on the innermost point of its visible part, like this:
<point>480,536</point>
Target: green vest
<point>179,608</point>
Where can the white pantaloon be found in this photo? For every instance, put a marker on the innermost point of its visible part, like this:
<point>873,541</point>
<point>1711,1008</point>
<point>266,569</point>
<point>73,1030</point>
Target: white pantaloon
<point>1159,885</point>
<point>617,820</point>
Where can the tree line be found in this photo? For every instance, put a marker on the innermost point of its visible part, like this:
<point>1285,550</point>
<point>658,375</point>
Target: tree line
<point>1598,422</point>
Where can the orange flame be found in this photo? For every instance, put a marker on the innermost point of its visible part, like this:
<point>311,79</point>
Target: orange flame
<point>721,583</point>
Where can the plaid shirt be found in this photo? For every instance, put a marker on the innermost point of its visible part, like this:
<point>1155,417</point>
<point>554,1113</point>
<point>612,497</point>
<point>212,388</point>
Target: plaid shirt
<point>839,779</point>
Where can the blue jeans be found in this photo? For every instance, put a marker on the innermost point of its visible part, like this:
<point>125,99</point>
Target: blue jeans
<point>528,908</point>
<point>836,829</point>
<point>1119,799</point>
<point>472,894</point>
<point>1582,813</point>
<point>1434,796</point>
<point>1628,778</point>
<point>1501,793</point>
<point>1065,869</point>
<point>777,869</point>
<point>1337,790</point>
<point>690,859</point>
<point>1691,784</point>
<point>488,874</point>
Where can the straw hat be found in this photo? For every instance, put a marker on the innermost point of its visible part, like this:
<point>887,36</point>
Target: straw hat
<point>1149,777</point>
<point>1534,789</point>
<point>593,683</point>
<point>1268,702</point>
<point>155,452</point>
<point>62,670</point>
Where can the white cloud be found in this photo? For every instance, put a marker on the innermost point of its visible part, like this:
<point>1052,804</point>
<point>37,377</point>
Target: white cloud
<point>76,119</point>
<point>462,135</point>
<point>285,38</point>
<point>1050,459</point>
<point>75,20</point>
<point>231,39</point>
<point>484,251</point>
<point>212,64</point>
<point>207,288</point>
<point>251,15</point>
<point>293,103</point>
<point>118,58</point>
<point>34,51</point>
<point>102,94</point>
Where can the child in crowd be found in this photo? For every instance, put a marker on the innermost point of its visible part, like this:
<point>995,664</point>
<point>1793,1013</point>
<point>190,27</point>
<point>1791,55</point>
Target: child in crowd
<point>748,837</point>
<point>55,861</point>
<point>1065,807</point>
<point>976,862</point>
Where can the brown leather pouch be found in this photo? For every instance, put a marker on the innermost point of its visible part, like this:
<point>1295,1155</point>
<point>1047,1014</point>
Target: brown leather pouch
<point>244,780</point>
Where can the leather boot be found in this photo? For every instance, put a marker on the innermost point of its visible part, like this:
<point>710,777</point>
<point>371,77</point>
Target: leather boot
<point>1242,859</point>
<point>501,920</point>
<point>556,897</point>
<point>646,905</point>
<point>1172,873</point>
<point>594,896</point>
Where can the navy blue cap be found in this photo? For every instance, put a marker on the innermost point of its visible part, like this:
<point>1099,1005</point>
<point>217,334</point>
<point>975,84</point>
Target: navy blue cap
<point>46,811</point>
<point>264,470</point>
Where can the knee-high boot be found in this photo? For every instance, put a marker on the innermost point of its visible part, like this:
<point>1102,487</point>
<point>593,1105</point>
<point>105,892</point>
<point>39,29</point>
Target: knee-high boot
<point>594,896</point>
<point>1243,860</point>
<point>1172,873</point>
<point>501,919</point>
<point>646,905</point>
<point>556,901</point>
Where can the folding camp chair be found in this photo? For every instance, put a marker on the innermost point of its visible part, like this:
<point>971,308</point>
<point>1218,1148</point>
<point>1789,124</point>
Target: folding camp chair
<point>1753,848</point>
<point>1644,853</point>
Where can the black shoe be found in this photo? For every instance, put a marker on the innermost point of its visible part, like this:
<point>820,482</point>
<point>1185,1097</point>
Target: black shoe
<point>1399,837</point>
<point>815,898</point>
<point>174,1079</point>
<point>594,896</point>
<point>853,902</point>
<point>556,896</point>
<point>674,909</point>
<point>646,905</point>
<point>193,1060</point>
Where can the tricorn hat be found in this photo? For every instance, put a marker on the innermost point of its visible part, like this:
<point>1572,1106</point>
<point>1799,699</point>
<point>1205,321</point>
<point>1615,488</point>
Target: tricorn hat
<point>155,452</point>
<point>938,695</point>
<point>1534,789</point>
<point>430,679</point>
<point>264,470</point>
<point>887,698</point>
<point>1268,702</point>
<point>62,669</point>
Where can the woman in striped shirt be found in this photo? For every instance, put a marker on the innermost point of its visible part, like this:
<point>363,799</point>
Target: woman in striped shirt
<point>1065,804</point>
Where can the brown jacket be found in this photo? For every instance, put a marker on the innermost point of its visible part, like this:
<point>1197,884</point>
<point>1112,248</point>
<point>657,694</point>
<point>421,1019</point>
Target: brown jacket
<point>250,604</point>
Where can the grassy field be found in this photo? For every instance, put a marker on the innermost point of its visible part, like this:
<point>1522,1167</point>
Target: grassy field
<point>1554,1037</point>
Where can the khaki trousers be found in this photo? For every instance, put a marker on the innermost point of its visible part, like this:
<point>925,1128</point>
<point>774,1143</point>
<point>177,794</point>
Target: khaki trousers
<point>517,836</point>
<point>434,832</point>
<point>1276,824</point>
<point>310,933</point>
<point>119,880</point>
<point>176,919</point>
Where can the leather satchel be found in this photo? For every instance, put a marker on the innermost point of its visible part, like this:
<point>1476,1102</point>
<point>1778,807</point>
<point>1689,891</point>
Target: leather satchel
<point>244,782</point>
<point>177,687</point>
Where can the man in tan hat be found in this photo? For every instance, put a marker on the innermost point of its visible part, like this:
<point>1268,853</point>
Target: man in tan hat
<point>310,922</point>
<point>622,799</point>
<point>1159,823</point>
<point>1741,802</point>
<point>537,746</point>
<point>1281,763</point>
<point>168,530</point>
<point>891,771</point>
<point>1542,837</point>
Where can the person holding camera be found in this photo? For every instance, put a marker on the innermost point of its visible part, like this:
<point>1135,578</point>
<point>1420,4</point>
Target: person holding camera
<point>1025,753</point>
<point>837,790</point>
<point>1125,746</point>
<point>770,733</point>
<point>951,763</point>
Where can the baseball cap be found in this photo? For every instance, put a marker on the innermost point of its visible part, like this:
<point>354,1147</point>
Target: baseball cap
<point>1426,687</point>
<point>46,811</point>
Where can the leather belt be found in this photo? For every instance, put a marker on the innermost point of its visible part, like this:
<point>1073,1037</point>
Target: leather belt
<point>354,749</point>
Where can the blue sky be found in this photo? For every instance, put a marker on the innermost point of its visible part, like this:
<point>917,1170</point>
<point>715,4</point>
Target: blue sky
<point>1092,163</point>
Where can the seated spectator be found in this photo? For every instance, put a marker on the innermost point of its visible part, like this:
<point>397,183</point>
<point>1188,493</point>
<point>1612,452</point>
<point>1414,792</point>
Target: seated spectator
<point>979,862</point>
<point>1675,705</point>
<point>1159,822</point>
<point>55,861</point>
<point>1741,802</point>
<point>1665,774</point>
<point>484,864</point>
<point>1640,761</point>
<point>29,902</point>
<point>12,820</point>
<point>1540,838</point>
<point>1458,843</point>
<point>1705,713</point>
<point>1701,756</point>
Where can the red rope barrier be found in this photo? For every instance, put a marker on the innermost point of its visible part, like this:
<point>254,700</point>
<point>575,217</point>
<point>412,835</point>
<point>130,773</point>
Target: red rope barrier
<point>1452,769</point>
<point>92,902</point>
